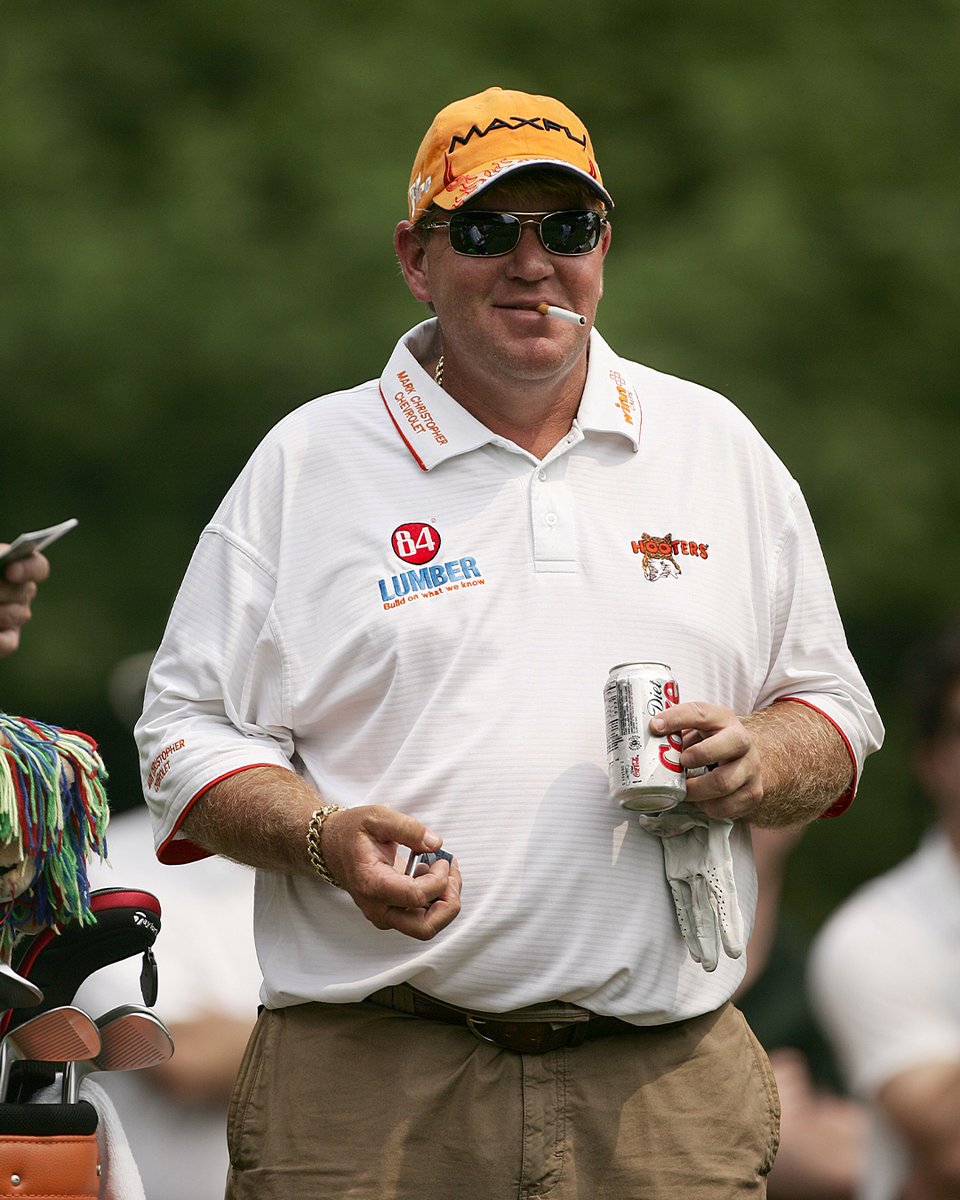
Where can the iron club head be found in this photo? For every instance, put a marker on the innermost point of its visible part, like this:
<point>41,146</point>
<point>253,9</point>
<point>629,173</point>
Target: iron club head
<point>132,1038</point>
<point>62,1034</point>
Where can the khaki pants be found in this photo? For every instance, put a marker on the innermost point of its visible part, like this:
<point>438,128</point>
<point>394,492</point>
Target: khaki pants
<point>356,1102</point>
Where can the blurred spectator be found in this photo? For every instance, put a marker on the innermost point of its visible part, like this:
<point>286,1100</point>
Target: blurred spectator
<point>174,1116</point>
<point>885,969</point>
<point>822,1131</point>
<point>18,586</point>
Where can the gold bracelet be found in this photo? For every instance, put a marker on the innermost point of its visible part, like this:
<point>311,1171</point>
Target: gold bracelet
<point>314,852</point>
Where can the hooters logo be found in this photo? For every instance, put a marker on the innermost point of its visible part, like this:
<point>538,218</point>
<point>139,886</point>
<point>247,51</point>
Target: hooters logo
<point>415,542</point>
<point>660,553</point>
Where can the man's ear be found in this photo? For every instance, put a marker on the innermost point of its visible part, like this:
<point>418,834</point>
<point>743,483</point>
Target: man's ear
<point>604,247</point>
<point>605,239</point>
<point>411,254</point>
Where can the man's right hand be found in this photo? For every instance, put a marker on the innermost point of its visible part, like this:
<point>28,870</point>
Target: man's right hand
<point>259,816</point>
<point>359,847</point>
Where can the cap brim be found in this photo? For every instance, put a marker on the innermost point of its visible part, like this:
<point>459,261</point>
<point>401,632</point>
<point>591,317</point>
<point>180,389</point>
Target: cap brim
<point>466,187</point>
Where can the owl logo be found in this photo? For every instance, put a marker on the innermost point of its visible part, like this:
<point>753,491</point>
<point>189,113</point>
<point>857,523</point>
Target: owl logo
<point>658,561</point>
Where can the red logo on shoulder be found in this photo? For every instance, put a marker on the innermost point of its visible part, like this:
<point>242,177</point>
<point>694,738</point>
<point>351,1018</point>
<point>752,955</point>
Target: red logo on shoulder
<point>415,542</point>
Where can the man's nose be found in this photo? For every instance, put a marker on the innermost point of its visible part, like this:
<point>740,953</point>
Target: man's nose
<point>530,258</point>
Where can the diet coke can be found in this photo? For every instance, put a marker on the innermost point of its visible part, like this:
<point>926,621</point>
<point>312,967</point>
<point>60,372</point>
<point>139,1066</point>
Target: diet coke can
<point>644,770</point>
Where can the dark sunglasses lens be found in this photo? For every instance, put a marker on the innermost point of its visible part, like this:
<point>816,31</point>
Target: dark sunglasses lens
<point>576,232</point>
<point>484,233</point>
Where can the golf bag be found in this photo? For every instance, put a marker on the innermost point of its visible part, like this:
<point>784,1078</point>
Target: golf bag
<point>51,1149</point>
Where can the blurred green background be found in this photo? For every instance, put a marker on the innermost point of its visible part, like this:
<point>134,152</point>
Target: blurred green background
<point>197,204</point>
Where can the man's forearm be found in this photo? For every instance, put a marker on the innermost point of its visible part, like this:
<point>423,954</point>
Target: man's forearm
<point>805,764</point>
<point>924,1104</point>
<point>258,817</point>
<point>261,816</point>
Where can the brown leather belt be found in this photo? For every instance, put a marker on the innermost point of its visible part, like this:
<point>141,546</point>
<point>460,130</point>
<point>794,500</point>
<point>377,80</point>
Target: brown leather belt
<point>524,1032</point>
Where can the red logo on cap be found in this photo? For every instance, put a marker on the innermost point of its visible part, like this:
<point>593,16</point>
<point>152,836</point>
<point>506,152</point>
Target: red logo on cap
<point>415,542</point>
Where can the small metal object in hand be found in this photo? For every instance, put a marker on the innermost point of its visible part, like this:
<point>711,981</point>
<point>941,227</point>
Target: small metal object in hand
<point>425,859</point>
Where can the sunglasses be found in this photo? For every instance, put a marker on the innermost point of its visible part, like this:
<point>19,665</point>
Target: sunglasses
<point>488,234</point>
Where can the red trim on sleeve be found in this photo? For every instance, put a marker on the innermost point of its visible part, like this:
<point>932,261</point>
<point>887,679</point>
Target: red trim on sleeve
<point>840,805</point>
<point>420,463</point>
<point>176,851</point>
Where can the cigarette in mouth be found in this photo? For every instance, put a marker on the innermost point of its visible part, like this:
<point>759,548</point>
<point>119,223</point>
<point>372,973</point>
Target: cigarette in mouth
<point>562,314</point>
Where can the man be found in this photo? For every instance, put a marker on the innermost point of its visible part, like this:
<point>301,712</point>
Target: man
<point>884,969</point>
<point>396,632</point>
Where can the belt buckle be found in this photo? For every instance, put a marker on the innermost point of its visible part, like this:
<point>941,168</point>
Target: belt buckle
<point>533,1037</point>
<point>471,1025</point>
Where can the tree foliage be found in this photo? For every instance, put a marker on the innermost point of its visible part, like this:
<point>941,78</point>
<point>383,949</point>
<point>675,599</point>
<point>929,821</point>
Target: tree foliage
<point>197,203</point>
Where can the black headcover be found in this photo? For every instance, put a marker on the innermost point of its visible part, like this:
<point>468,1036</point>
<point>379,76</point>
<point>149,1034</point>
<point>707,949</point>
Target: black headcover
<point>58,960</point>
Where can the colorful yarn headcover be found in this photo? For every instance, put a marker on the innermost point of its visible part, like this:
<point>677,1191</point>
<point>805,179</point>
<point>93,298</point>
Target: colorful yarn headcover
<point>57,820</point>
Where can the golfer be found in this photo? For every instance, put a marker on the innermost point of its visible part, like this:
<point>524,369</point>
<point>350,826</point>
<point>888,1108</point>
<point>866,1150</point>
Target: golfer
<point>393,639</point>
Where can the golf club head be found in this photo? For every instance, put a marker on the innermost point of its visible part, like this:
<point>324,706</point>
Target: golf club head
<point>15,991</point>
<point>132,1039</point>
<point>62,1034</point>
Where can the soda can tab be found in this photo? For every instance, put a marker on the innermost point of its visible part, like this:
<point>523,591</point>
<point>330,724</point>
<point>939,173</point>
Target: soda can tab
<point>644,770</point>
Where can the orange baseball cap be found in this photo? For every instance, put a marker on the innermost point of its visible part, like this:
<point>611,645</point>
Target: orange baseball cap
<point>474,143</point>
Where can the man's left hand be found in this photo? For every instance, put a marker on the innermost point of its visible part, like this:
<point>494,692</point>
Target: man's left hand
<point>715,738</point>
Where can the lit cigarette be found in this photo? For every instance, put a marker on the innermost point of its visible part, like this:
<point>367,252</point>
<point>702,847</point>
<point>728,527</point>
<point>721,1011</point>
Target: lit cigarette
<point>563,314</point>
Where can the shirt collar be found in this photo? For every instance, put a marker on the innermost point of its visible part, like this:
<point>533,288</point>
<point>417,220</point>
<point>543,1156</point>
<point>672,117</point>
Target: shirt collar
<point>431,423</point>
<point>434,427</point>
<point>610,401</point>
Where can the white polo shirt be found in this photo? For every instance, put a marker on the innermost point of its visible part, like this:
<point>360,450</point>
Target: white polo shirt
<point>885,981</point>
<point>413,611</point>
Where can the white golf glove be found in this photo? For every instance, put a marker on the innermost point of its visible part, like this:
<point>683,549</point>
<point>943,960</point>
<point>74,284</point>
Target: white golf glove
<point>699,869</point>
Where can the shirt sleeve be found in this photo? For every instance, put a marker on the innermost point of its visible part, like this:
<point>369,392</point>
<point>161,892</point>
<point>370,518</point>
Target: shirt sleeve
<point>810,659</point>
<point>214,699</point>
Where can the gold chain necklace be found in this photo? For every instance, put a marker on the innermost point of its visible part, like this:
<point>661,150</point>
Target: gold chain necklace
<point>438,373</point>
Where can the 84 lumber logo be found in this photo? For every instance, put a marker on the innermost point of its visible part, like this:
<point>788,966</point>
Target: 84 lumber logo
<point>415,542</point>
<point>418,543</point>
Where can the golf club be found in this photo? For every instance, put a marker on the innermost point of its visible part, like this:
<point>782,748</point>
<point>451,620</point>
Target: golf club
<point>15,991</point>
<point>132,1038</point>
<point>57,1035</point>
